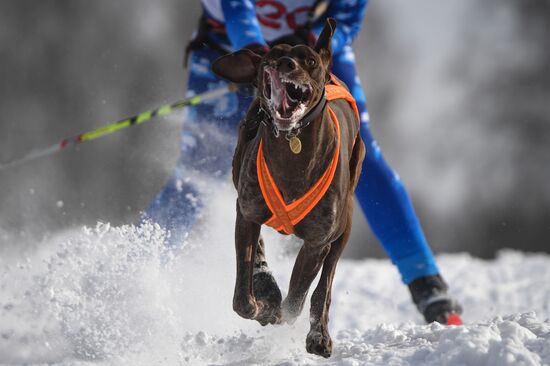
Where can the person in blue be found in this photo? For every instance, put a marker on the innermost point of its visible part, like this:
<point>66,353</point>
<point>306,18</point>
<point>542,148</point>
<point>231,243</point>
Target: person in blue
<point>209,133</point>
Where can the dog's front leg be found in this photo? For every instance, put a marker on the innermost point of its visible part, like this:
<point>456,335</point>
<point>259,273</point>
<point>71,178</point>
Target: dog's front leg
<point>246,241</point>
<point>318,340</point>
<point>307,265</point>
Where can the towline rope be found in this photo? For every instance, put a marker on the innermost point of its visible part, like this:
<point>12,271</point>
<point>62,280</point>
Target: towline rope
<point>138,119</point>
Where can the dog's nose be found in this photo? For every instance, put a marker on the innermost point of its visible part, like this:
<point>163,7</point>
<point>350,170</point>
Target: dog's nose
<point>286,64</point>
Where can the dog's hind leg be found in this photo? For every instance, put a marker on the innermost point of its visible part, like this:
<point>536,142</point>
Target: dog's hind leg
<point>246,240</point>
<point>266,289</point>
<point>318,340</point>
<point>307,265</point>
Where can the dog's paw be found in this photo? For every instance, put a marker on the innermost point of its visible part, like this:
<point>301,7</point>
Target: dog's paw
<point>268,297</point>
<point>269,314</point>
<point>266,288</point>
<point>246,309</point>
<point>319,343</point>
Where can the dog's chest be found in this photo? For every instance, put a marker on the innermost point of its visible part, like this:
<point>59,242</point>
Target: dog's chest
<point>321,224</point>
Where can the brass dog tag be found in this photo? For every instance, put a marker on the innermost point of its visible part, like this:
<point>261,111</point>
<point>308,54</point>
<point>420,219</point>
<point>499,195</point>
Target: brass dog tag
<point>295,145</point>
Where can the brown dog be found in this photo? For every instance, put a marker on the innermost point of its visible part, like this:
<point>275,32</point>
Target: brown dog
<point>297,155</point>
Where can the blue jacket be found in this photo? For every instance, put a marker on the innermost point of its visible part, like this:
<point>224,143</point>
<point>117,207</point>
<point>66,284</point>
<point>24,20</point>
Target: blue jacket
<point>249,21</point>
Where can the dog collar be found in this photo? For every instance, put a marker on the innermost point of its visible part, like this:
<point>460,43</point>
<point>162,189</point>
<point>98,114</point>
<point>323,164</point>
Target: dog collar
<point>313,112</point>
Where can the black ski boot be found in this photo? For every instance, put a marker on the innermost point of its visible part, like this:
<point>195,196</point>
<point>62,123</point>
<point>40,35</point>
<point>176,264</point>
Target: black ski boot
<point>429,293</point>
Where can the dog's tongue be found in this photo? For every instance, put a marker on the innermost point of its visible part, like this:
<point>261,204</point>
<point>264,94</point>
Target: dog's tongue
<point>279,96</point>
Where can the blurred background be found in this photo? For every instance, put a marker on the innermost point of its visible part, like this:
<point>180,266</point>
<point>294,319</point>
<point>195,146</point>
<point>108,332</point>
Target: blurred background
<point>458,97</point>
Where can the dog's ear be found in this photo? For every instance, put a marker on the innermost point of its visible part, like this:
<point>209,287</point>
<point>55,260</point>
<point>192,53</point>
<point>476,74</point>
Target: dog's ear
<point>238,67</point>
<point>322,47</point>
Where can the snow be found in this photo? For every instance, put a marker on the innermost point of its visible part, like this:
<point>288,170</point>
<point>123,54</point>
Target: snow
<point>116,296</point>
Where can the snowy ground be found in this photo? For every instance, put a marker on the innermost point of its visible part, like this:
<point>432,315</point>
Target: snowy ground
<point>114,296</point>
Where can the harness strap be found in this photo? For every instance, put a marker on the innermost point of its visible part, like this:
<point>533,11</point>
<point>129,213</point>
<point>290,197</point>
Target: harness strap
<point>337,91</point>
<point>273,196</point>
<point>286,216</point>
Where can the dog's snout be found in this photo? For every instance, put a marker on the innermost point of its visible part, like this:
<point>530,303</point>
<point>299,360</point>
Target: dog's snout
<point>286,64</point>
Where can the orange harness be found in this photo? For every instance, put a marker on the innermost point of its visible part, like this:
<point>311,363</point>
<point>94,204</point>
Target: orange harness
<point>286,216</point>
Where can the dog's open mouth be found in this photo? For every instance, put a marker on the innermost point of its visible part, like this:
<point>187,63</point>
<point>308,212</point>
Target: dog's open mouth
<point>286,98</point>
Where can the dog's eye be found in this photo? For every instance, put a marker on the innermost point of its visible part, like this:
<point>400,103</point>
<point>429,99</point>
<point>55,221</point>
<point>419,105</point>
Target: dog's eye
<point>311,62</point>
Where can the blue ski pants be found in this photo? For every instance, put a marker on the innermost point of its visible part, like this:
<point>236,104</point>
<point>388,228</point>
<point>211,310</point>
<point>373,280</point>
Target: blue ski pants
<point>209,136</point>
